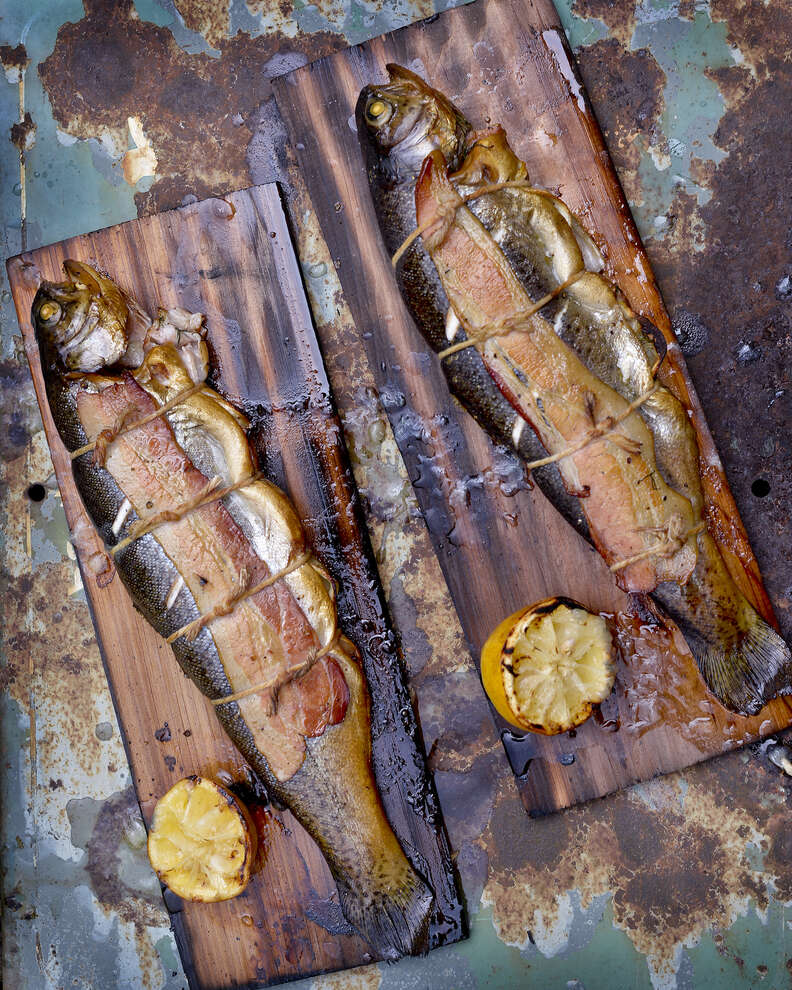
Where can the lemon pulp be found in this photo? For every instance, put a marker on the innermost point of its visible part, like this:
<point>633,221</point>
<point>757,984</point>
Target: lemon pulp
<point>202,841</point>
<point>545,667</point>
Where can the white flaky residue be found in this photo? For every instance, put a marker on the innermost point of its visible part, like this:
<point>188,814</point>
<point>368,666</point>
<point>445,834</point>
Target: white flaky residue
<point>553,41</point>
<point>517,430</point>
<point>452,324</point>
<point>123,512</point>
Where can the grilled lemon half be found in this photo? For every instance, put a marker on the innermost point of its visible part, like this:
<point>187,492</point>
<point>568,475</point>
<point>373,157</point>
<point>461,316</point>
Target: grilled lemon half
<point>545,667</point>
<point>202,841</point>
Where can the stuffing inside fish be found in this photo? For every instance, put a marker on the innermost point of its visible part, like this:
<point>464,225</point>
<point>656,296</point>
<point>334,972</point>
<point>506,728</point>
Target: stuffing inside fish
<point>163,443</point>
<point>483,264</point>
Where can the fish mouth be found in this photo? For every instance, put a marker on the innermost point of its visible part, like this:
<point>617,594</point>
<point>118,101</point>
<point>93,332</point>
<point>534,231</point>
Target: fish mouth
<point>88,324</point>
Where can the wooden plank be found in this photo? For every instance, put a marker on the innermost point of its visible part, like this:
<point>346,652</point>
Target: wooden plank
<point>233,260</point>
<point>507,61</point>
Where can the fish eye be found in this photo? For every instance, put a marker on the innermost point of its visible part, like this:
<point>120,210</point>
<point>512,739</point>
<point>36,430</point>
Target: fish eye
<point>378,112</point>
<point>49,312</point>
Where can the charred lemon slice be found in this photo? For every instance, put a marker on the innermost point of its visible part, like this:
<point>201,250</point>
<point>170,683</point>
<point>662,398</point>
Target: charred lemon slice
<point>202,841</point>
<point>545,667</point>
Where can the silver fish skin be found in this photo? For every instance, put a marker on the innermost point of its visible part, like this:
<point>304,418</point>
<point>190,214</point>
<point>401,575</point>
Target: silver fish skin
<point>325,778</point>
<point>741,658</point>
<point>394,155</point>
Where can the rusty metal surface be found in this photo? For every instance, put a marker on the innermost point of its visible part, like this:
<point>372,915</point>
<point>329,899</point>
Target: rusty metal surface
<point>694,102</point>
<point>679,883</point>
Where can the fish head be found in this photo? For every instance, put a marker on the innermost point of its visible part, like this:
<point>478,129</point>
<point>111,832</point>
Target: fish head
<point>404,120</point>
<point>83,319</point>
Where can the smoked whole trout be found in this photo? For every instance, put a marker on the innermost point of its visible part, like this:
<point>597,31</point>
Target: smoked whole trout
<point>108,368</point>
<point>544,383</point>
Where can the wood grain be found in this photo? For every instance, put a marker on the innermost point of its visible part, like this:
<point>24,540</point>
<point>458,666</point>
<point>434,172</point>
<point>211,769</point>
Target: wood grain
<point>232,259</point>
<point>502,547</point>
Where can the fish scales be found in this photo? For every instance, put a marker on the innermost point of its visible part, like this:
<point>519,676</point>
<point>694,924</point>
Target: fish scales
<point>394,203</point>
<point>741,658</point>
<point>313,749</point>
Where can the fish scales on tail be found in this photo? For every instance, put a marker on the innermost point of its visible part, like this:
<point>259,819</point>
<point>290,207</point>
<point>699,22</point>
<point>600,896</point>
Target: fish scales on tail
<point>491,246</point>
<point>303,724</point>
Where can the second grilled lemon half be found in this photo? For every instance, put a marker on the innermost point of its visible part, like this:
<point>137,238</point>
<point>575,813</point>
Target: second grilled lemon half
<point>545,667</point>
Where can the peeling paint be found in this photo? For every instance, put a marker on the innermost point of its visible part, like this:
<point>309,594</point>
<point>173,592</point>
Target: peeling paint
<point>674,860</point>
<point>23,133</point>
<point>140,160</point>
<point>14,60</point>
<point>207,17</point>
<point>681,882</point>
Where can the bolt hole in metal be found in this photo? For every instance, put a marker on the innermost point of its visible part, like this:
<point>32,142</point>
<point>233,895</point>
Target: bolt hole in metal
<point>37,492</point>
<point>760,488</point>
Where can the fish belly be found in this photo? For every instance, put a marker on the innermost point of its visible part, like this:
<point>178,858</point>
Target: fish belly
<point>741,658</point>
<point>312,749</point>
<point>465,371</point>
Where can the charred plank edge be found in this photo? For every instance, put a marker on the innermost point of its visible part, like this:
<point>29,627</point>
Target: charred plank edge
<point>315,103</point>
<point>429,838</point>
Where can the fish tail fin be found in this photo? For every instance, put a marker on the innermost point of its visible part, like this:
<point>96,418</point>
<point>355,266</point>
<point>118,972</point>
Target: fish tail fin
<point>746,666</point>
<point>743,660</point>
<point>391,913</point>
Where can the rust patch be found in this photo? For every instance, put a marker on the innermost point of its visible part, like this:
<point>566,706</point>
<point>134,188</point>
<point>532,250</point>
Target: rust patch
<point>72,664</point>
<point>208,17</point>
<point>14,60</point>
<point>760,31</point>
<point>198,112</point>
<point>55,660</point>
<point>617,15</point>
<point>778,854</point>
<point>727,266</point>
<point>626,87</point>
<point>734,81</point>
<point>550,837</point>
<point>671,853</point>
<point>8,674</point>
<point>69,674</point>
<point>702,172</point>
<point>23,133</point>
<point>260,7</point>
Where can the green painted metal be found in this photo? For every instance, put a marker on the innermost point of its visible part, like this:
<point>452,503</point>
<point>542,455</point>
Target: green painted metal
<point>82,913</point>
